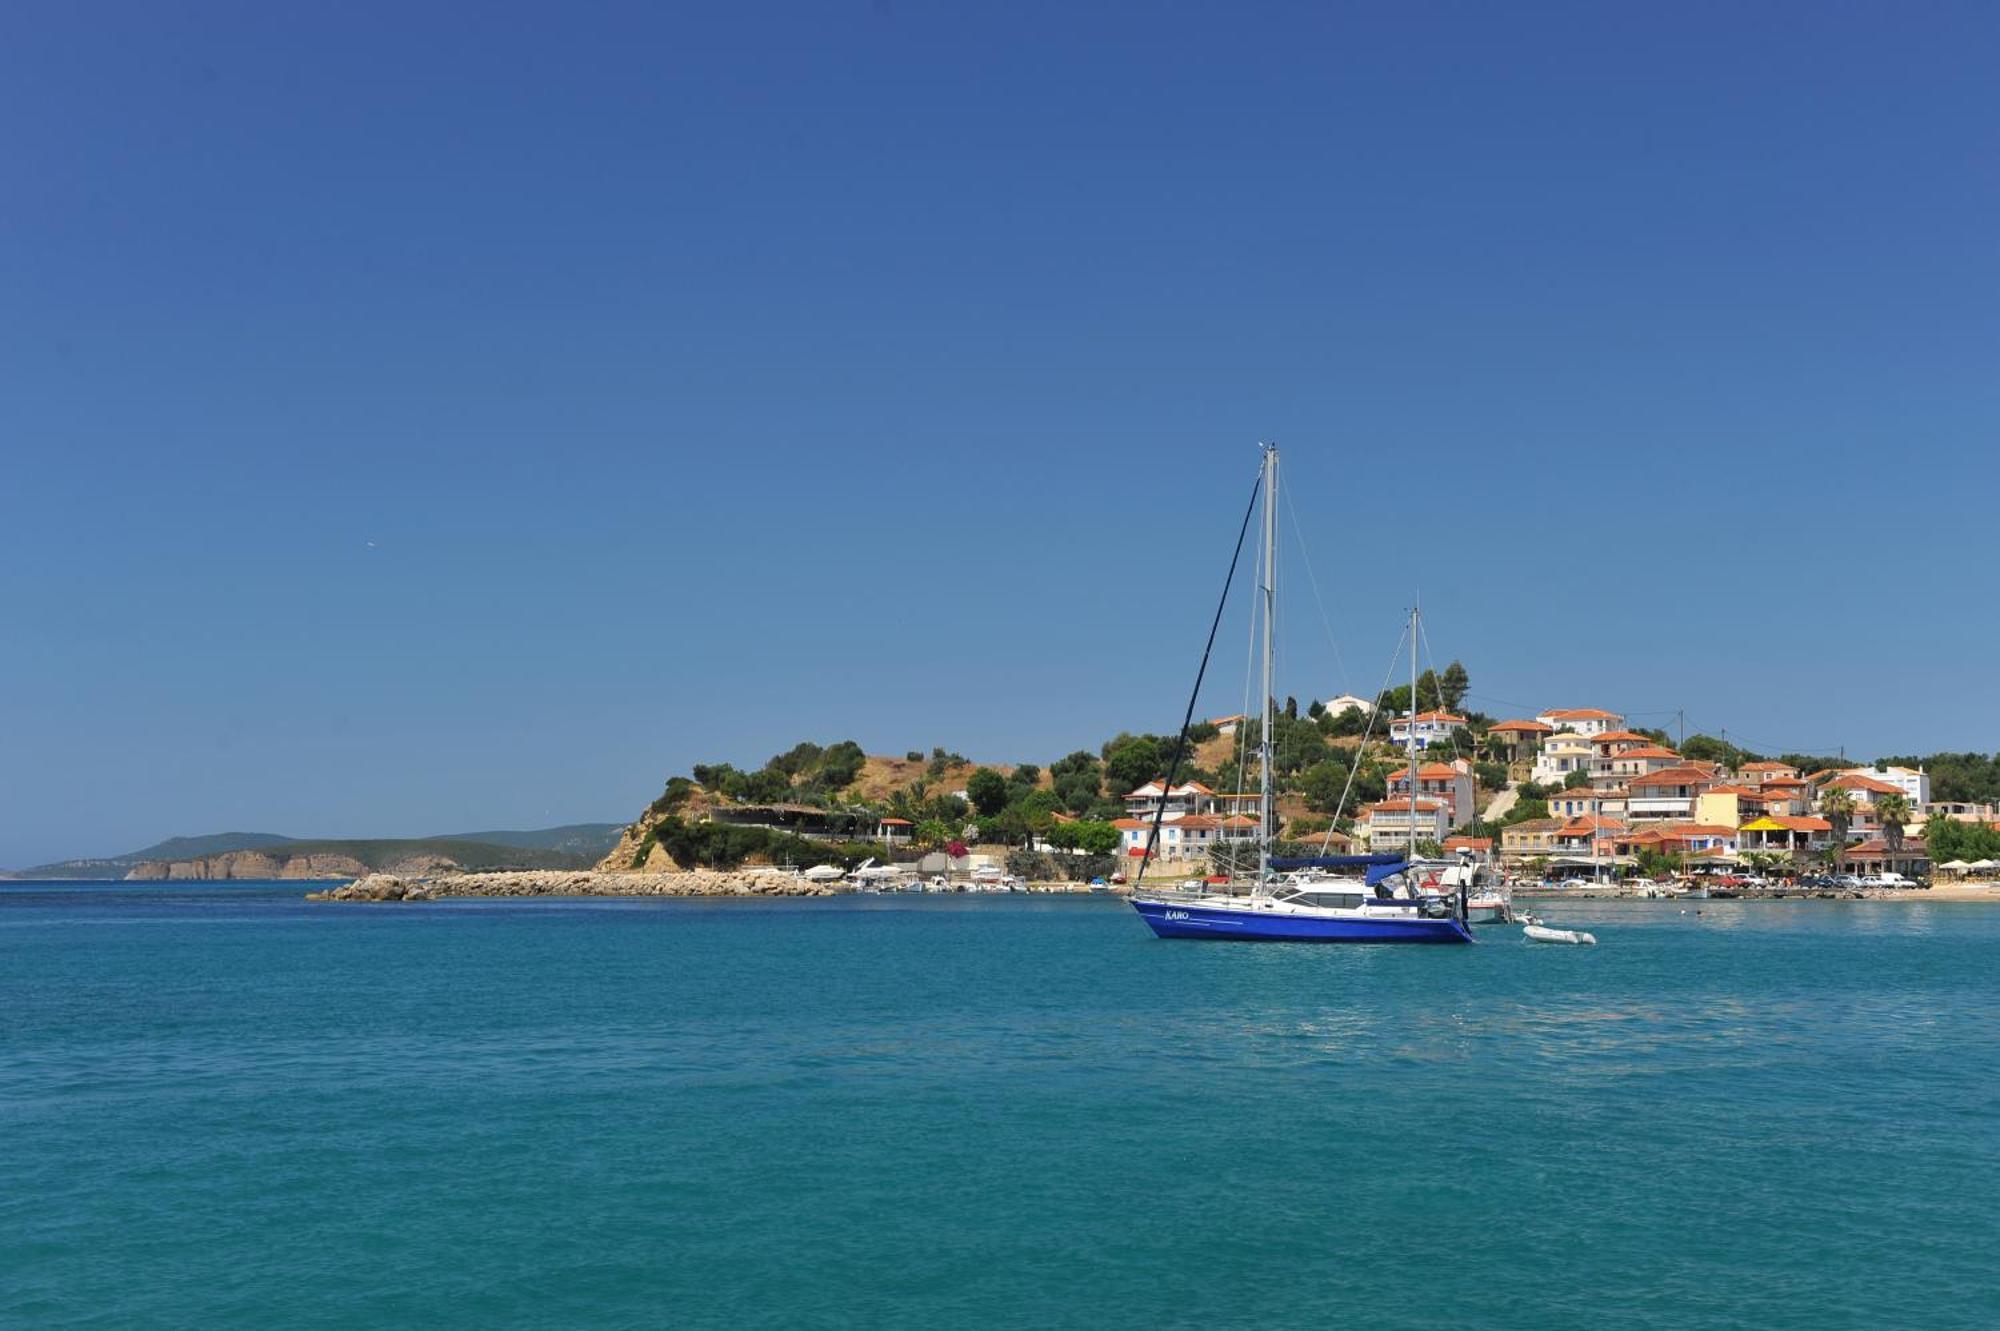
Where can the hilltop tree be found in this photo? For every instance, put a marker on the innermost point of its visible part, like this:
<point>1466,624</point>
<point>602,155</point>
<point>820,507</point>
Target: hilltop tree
<point>1708,749</point>
<point>1453,686</point>
<point>1078,780</point>
<point>1347,721</point>
<point>1971,777</point>
<point>801,757</point>
<point>1132,761</point>
<point>1322,784</point>
<point>987,790</point>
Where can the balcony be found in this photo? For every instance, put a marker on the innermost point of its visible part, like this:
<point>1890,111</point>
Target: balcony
<point>1679,806</point>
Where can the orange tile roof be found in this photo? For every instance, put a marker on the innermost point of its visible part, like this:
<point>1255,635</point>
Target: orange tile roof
<point>1855,781</point>
<point>1536,727</point>
<point>1468,842</point>
<point>1584,823</point>
<point>1620,736</point>
<point>1582,714</point>
<point>1432,716</point>
<point>1403,806</point>
<point>1531,825</point>
<point>1648,751</point>
<point>1674,776</point>
<point>1801,824</point>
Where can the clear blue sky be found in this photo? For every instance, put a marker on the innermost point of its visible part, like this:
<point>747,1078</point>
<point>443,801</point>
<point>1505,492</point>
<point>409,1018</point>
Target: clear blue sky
<point>421,418</point>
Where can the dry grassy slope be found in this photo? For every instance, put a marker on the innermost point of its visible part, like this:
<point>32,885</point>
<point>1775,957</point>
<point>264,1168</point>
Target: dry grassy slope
<point>882,777</point>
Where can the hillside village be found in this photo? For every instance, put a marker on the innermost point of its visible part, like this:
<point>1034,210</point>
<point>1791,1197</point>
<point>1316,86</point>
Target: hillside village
<point>1568,792</point>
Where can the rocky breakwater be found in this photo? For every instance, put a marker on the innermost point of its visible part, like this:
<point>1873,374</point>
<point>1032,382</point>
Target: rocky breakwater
<point>572,883</point>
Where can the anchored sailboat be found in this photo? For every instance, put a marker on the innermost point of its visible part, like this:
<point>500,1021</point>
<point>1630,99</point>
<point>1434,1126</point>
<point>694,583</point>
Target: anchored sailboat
<point>1317,899</point>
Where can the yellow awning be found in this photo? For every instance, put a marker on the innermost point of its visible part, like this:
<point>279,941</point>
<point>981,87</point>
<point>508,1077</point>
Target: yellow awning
<point>1764,825</point>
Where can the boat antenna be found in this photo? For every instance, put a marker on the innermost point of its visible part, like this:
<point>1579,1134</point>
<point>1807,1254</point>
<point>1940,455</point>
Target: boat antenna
<point>1187,718</point>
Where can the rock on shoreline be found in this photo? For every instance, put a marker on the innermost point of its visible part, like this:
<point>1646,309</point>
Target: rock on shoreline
<point>571,883</point>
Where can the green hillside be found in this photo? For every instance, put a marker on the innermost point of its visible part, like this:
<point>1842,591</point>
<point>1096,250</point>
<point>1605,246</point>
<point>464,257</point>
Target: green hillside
<point>575,845</point>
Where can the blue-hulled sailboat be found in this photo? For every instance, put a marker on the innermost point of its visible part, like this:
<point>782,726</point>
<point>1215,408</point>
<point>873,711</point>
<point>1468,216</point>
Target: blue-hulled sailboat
<point>1323,899</point>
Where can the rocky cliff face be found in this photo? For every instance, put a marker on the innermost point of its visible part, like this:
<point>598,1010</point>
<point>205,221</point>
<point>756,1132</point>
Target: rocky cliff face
<point>620,859</point>
<point>268,864</point>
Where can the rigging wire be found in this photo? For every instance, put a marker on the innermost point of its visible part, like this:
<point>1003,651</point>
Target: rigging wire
<point>1326,621</point>
<point>1374,714</point>
<point>1187,718</point>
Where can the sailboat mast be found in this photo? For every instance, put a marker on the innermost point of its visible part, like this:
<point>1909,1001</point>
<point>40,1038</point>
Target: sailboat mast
<point>1410,850</point>
<point>1266,820</point>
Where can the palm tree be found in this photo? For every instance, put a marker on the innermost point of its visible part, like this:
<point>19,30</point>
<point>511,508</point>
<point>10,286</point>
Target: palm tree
<point>1837,807</point>
<point>1894,811</point>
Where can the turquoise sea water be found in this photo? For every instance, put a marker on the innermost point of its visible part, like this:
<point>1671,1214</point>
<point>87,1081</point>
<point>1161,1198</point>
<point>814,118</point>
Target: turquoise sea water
<point>223,1107</point>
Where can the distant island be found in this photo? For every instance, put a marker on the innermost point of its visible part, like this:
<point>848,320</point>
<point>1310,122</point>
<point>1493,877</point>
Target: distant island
<point>244,855</point>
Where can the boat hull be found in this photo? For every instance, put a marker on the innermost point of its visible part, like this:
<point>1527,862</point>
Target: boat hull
<point>1240,925</point>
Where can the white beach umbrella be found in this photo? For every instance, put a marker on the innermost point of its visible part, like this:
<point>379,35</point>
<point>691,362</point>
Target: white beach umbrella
<point>1983,865</point>
<point>1955,865</point>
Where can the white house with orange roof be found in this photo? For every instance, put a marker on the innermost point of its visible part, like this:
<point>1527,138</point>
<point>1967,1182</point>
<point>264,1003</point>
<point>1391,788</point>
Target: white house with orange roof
<point>1914,782</point>
<point>1188,797</point>
<point>1386,824</point>
<point>1451,782</point>
<point>1787,795</point>
<point>1588,802</point>
<point>1181,838</point>
<point>1680,838</point>
<point>1671,793</point>
<point>1864,787</point>
<point>1562,753</point>
<point>1594,837</point>
<point>1582,720</point>
<point>1639,760</point>
<point>1431,728</point>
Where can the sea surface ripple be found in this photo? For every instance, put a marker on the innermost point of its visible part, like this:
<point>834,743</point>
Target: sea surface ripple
<point>221,1106</point>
